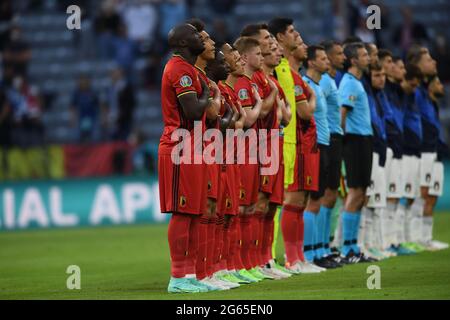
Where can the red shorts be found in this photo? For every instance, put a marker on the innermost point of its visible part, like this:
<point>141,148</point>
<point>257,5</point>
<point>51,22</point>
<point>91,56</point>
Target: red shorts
<point>228,201</point>
<point>277,195</point>
<point>213,175</point>
<point>182,187</point>
<point>306,172</point>
<point>274,184</point>
<point>249,175</point>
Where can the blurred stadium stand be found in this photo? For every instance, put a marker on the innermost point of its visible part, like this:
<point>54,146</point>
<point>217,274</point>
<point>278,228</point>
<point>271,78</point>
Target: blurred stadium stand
<point>60,56</point>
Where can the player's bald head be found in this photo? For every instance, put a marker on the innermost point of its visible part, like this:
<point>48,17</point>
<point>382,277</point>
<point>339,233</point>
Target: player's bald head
<point>178,35</point>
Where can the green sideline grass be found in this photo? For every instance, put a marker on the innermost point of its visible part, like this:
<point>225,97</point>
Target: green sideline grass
<point>132,262</point>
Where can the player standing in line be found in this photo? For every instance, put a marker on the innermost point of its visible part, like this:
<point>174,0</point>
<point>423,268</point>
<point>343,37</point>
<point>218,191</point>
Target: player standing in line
<point>436,92</point>
<point>250,100</point>
<point>412,141</point>
<point>234,261</point>
<point>211,226</point>
<point>228,198</point>
<point>336,57</point>
<point>372,231</point>
<point>395,73</point>
<point>185,98</point>
<point>306,168</point>
<point>273,185</point>
<point>295,198</point>
<point>314,217</point>
<point>431,131</point>
<point>268,92</point>
<point>357,147</point>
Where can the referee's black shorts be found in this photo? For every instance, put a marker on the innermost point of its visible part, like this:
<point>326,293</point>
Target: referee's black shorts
<point>335,156</point>
<point>358,160</point>
<point>324,165</point>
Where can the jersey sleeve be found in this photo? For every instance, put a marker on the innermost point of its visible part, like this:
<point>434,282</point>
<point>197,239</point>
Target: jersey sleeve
<point>347,95</point>
<point>306,95</point>
<point>243,91</point>
<point>183,80</point>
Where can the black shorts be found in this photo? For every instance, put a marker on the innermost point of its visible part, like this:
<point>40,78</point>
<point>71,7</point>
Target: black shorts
<point>358,152</point>
<point>323,172</point>
<point>335,156</point>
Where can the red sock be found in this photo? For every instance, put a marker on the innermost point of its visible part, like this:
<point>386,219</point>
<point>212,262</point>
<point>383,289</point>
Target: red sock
<point>246,236</point>
<point>267,237</point>
<point>211,239</point>
<point>218,243</point>
<point>259,229</point>
<point>238,263</point>
<point>254,222</point>
<point>289,229</point>
<point>178,236</point>
<point>232,238</point>
<point>194,239</point>
<point>200,266</point>
<point>300,235</point>
<point>226,243</point>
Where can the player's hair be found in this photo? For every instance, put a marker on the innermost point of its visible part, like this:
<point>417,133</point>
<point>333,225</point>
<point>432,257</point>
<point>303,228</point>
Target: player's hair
<point>197,23</point>
<point>350,40</point>
<point>375,67</point>
<point>413,72</point>
<point>384,53</point>
<point>252,30</point>
<point>328,45</point>
<point>312,52</point>
<point>279,25</point>
<point>368,46</point>
<point>351,52</point>
<point>415,57</point>
<point>397,59</point>
<point>414,51</point>
<point>244,44</point>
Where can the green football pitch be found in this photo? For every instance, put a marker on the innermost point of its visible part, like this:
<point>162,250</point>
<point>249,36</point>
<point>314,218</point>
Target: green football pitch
<point>132,262</point>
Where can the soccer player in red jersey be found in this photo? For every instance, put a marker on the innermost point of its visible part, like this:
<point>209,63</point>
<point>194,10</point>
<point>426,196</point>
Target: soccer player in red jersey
<point>306,170</point>
<point>228,200</point>
<point>210,224</point>
<point>250,100</point>
<point>268,92</point>
<point>273,185</point>
<point>185,98</point>
<point>235,258</point>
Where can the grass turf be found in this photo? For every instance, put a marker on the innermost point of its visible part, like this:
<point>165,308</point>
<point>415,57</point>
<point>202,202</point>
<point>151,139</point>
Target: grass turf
<point>132,262</point>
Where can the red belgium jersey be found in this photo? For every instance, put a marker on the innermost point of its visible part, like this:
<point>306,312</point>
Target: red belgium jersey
<point>179,78</point>
<point>306,130</point>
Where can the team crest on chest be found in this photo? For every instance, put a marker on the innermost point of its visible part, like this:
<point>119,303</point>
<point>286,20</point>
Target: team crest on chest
<point>243,94</point>
<point>352,98</point>
<point>185,81</point>
<point>298,90</point>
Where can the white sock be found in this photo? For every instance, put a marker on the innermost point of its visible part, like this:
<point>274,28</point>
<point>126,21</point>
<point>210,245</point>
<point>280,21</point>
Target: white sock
<point>384,228</point>
<point>427,229</point>
<point>400,223</point>
<point>390,225</point>
<point>362,227</point>
<point>368,235</point>
<point>377,228</point>
<point>417,215</point>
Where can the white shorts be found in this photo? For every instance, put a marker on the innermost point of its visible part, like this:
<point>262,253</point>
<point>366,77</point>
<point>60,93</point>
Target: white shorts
<point>437,180</point>
<point>393,171</point>
<point>377,189</point>
<point>410,177</point>
<point>427,160</point>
